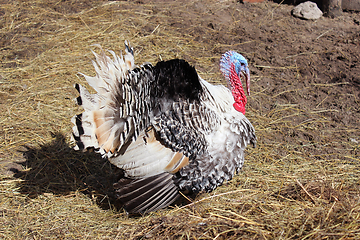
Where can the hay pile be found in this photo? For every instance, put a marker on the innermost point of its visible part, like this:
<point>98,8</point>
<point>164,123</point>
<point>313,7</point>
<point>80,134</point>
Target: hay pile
<point>301,182</point>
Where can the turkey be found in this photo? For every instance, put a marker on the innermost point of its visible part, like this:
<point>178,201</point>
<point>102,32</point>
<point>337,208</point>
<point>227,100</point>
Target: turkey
<point>169,130</point>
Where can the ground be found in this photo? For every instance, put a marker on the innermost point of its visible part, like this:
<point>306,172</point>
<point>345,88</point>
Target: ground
<point>302,179</point>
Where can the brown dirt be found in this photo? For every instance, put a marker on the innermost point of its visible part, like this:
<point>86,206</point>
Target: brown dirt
<point>302,180</point>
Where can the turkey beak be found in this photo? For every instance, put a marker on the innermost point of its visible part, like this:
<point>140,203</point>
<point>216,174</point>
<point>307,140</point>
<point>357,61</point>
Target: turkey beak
<point>246,74</point>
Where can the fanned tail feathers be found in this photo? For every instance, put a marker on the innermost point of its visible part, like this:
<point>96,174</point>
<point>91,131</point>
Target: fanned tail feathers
<point>114,114</point>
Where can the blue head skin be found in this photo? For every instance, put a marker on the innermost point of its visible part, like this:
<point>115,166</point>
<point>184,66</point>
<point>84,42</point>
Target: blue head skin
<point>241,67</point>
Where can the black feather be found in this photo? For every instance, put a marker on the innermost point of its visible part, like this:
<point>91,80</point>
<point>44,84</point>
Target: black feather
<point>78,99</point>
<point>80,129</point>
<point>79,124</point>
<point>77,87</point>
<point>176,79</point>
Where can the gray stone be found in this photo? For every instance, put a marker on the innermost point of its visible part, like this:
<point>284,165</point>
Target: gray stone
<point>307,10</point>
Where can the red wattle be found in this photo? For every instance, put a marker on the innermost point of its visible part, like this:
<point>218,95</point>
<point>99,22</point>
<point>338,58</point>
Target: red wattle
<point>239,107</point>
<point>237,90</point>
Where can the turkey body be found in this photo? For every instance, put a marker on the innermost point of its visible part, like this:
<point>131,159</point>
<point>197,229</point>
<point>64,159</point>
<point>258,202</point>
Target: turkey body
<point>166,127</point>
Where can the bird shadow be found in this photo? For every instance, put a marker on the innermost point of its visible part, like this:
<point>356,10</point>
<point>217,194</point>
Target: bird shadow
<point>58,169</point>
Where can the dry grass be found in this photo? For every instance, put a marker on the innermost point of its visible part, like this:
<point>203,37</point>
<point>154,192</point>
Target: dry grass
<point>289,188</point>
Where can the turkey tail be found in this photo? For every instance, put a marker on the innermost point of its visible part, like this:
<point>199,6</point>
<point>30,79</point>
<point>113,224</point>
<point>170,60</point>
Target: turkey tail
<point>117,112</point>
<point>147,194</point>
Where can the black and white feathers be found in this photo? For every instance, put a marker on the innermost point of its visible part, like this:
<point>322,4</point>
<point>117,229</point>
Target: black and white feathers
<point>167,128</point>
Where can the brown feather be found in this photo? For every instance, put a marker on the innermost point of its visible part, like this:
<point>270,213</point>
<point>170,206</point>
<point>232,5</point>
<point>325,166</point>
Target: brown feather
<point>183,163</point>
<point>174,161</point>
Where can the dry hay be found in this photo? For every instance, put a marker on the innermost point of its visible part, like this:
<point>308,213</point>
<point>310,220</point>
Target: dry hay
<point>301,182</point>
